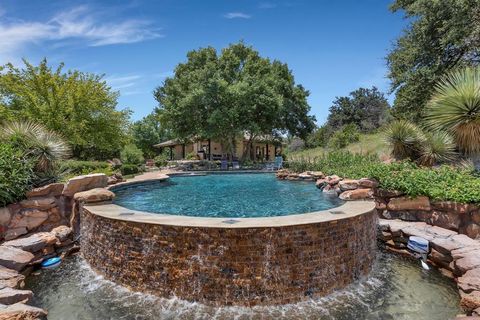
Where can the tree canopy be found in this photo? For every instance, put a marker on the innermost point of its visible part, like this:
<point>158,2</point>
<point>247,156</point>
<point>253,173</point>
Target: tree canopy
<point>222,96</point>
<point>148,132</point>
<point>78,105</point>
<point>442,35</point>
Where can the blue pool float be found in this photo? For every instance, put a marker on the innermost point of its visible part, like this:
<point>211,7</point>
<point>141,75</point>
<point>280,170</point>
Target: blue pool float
<point>51,263</point>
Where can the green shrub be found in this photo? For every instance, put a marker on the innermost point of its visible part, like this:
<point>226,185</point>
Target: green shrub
<point>162,159</point>
<point>84,167</point>
<point>131,155</point>
<point>442,183</point>
<point>191,156</point>
<point>342,138</point>
<point>128,169</point>
<point>16,174</point>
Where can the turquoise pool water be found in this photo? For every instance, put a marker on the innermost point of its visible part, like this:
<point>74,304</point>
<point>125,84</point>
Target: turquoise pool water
<point>226,196</point>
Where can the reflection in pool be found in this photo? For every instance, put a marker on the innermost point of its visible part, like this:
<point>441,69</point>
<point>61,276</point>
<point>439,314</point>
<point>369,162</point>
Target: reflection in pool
<point>397,288</point>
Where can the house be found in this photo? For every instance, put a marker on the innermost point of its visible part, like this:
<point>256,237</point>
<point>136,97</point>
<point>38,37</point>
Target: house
<point>263,149</point>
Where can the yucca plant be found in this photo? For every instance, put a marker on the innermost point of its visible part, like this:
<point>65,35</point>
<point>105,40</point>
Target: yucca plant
<point>455,108</point>
<point>437,147</point>
<point>44,147</point>
<point>404,139</point>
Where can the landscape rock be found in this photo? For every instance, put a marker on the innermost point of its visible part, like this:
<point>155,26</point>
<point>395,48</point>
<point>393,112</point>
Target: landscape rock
<point>448,220</point>
<point>62,233</point>
<point>317,174</point>
<point>29,218</point>
<point>473,230</point>
<point>321,183</point>
<point>13,233</point>
<point>333,180</point>
<point>470,301</point>
<point>440,258</point>
<point>348,184</point>
<point>305,176</point>
<point>13,258</point>
<point>5,216</point>
<point>33,243</point>
<point>358,194</point>
<point>40,204</point>
<point>11,296</point>
<point>86,182</point>
<point>10,278</point>
<point>368,183</point>
<point>468,262</point>
<point>383,193</point>
<point>406,203</point>
<point>20,311</point>
<point>470,281</point>
<point>94,195</point>
<point>453,206</point>
<point>50,190</point>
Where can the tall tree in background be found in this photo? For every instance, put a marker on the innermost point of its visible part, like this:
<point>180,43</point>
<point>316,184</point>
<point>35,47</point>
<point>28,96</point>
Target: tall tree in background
<point>443,34</point>
<point>148,132</point>
<point>78,105</point>
<point>366,108</point>
<point>224,96</point>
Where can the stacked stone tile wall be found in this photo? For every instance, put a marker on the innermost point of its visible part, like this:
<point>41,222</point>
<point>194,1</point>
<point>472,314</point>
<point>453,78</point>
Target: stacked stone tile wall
<point>231,266</point>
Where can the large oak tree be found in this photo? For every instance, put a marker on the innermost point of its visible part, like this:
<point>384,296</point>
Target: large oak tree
<point>224,96</point>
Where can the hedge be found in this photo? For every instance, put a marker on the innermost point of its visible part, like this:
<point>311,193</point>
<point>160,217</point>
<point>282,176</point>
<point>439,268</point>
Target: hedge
<point>16,174</point>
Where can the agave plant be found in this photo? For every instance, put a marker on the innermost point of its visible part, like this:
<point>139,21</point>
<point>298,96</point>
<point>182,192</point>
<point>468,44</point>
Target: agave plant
<point>455,108</point>
<point>404,139</point>
<point>437,147</point>
<point>43,146</point>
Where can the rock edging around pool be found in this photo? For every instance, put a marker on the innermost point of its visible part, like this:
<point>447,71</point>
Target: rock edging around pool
<point>264,262</point>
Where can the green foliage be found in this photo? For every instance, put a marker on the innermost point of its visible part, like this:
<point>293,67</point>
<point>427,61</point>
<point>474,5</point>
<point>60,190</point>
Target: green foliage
<point>132,155</point>
<point>366,108</point>
<point>79,106</point>
<point>442,35</point>
<point>16,173</point>
<point>455,108</point>
<point>128,169</point>
<point>162,159</point>
<point>320,137</point>
<point>222,96</point>
<point>442,183</point>
<point>77,167</point>
<point>191,156</point>
<point>408,141</point>
<point>343,137</point>
<point>148,132</point>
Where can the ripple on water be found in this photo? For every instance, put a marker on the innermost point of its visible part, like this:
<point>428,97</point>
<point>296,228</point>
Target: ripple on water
<point>396,289</point>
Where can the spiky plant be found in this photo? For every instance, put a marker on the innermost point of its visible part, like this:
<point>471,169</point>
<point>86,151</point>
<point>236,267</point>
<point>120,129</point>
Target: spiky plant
<point>404,139</point>
<point>455,108</point>
<point>438,147</point>
<point>45,147</point>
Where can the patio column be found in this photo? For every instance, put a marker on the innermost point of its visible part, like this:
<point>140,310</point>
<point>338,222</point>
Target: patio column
<point>209,149</point>
<point>183,151</point>
<point>266,155</point>
<point>171,152</point>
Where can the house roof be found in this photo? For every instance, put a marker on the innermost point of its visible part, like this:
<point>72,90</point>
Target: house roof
<point>168,143</point>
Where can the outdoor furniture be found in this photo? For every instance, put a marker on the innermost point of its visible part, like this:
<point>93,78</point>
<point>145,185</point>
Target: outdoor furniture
<point>224,165</point>
<point>235,165</point>
<point>278,163</point>
<point>269,166</point>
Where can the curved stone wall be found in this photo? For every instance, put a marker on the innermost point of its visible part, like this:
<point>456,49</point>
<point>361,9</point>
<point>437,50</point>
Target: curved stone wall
<point>255,261</point>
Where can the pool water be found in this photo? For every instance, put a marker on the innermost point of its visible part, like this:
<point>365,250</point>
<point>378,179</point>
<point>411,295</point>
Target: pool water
<point>397,288</point>
<point>226,195</point>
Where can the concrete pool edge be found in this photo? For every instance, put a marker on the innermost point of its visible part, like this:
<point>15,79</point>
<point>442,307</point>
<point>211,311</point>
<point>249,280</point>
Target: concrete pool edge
<point>347,210</point>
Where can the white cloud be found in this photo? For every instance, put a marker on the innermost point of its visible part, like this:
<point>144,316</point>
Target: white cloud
<point>122,82</point>
<point>237,15</point>
<point>267,5</point>
<point>79,23</point>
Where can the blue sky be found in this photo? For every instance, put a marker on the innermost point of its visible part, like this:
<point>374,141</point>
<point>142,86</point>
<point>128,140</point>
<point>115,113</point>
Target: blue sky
<point>332,47</point>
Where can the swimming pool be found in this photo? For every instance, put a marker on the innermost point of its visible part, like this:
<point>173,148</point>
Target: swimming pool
<point>226,196</point>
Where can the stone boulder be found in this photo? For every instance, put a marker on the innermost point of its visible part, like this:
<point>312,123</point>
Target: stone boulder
<point>470,281</point>
<point>306,176</point>
<point>13,258</point>
<point>406,203</point>
<point>321,183</point>
<point>316,174</point>
<point>5,216</point>
<point>13,233</point>
<point>348,184</point>
<point>39,204</point>
<point>82,183</point>
<point>470,301</point>
<point>33,243</point>
<point>383,193</point>
<point>94,195</point>
<point>10,278</point>
<point>50,190</point>
<point>358,194</point>
<point>448,220</point>
<point>454,206</point>
<point>28,218</point>
<point>468,262</point>
<point>367,183</point>
<point>20,311</point>
<point>472,230</point>
<point>11,296</point>
<point>62,233</point>
<point>333,180</point>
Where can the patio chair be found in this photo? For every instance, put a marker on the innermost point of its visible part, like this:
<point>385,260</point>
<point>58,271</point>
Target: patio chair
<point>278,163</point>
<point>224,165</point>
<point>269,166</point>
<point>235,165</point>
